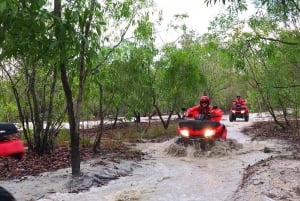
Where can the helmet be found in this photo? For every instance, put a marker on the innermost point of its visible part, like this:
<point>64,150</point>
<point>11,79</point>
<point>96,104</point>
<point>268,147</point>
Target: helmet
<point>204,99</point>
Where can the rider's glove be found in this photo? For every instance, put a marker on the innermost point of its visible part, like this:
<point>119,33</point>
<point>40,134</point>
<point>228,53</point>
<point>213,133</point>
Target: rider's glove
<point>189,115</point>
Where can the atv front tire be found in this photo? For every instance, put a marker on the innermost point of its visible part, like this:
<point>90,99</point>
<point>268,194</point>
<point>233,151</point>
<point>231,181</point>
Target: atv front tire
<point>231,118</point>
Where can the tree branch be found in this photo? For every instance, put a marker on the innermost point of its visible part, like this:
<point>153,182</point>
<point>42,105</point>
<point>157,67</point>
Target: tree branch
<point>286,87</point>
<point>277,40</point>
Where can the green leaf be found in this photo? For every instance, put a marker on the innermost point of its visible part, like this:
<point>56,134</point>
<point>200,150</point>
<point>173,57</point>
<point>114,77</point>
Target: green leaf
<point>2,6</point>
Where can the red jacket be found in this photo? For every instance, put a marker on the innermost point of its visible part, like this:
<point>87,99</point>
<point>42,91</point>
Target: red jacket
<point>196,110</point>
<point>216,114</point>
<point>239,101</point>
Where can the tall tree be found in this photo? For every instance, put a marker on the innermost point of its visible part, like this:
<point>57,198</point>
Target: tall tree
<point>26,59</point>
<point>81,30</point>
<point>73,34</point>
<point>180,78</point>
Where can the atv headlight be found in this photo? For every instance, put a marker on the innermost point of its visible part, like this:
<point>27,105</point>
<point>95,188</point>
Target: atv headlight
<point>185,133</point>
<point>243,111</point>
<point>209,133</point>
<point>233,111</point>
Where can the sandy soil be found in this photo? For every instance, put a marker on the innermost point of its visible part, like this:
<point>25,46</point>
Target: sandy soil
<point>275,178</point>
<point>240,169</point>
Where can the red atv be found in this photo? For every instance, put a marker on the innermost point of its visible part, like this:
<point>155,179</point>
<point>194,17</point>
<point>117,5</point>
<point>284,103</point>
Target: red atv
<point>10,146</point>
<point>239,111</point>
<point>203,130</point>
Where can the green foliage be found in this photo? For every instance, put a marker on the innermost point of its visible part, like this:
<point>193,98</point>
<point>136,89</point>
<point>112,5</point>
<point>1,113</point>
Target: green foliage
<point>9,110</point>
<point>85,141</point>
<point>158,132</point>
<point>63,136</point>
<point>180,76</point>
<point>144,30</point>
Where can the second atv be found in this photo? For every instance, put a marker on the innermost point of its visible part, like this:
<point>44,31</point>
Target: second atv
<point>239,111</point>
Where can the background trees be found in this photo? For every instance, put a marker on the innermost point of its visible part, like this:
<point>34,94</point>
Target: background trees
<point>268,56</point>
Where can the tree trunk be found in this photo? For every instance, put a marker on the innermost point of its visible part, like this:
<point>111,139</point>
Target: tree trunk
<point>96,146</point>
<point>74,131</point>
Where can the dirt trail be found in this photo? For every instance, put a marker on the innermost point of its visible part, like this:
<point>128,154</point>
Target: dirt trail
<point>171,172</point>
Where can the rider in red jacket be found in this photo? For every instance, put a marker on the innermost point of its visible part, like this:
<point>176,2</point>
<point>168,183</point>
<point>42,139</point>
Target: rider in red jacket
<point>203,108</point>
<point>239,100</point>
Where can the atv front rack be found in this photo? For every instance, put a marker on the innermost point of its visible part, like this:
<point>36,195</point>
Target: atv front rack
<point>198,124</point>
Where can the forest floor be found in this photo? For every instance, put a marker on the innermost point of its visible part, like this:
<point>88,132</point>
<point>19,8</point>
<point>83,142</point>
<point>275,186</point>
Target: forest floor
<point>277,177</point>
<point>115,146</point>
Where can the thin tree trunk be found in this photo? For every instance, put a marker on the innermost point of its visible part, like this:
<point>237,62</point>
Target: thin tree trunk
<point>96,146</point>
<point>74,132</point>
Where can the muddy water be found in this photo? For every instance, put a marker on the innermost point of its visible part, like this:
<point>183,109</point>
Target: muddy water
<point>173,172</point>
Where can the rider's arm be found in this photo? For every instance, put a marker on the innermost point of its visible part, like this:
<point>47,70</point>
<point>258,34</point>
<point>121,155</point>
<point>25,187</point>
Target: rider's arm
<point>192,112</point>
<point>216,114</point>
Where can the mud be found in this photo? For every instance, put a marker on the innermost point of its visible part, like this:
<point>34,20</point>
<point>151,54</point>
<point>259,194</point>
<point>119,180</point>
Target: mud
<point>218,149</point>
<point>240,169</point>
<point>275,178</point>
